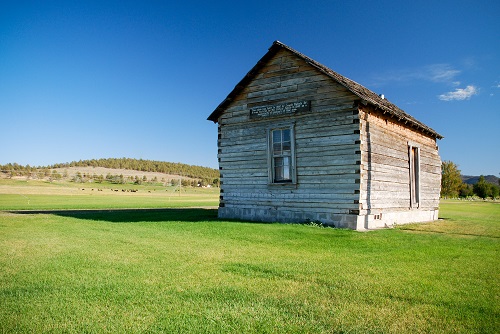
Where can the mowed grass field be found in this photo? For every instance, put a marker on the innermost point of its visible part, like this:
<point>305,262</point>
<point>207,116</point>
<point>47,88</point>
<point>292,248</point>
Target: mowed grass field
<point>43,195</point>
<point>181,270</point>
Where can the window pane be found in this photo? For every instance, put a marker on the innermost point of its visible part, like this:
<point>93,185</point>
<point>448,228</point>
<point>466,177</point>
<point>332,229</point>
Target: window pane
<point>286,174</point>
<point>277,136</point>
<point>286,135</point>
<point>287,146</point>
<point>278,169</point>
<point>278,174</point>
<point>277,149</point>
<point>286,168</point>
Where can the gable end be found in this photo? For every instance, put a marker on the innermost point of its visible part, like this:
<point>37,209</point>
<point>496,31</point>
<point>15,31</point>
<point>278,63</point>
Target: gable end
<point>366,96</point>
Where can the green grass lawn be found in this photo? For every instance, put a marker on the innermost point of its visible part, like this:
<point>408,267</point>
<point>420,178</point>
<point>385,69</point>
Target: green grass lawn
<point>181,270</point>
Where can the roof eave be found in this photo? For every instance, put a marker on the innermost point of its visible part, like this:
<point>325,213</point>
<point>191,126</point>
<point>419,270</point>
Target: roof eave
<point>416,124</point>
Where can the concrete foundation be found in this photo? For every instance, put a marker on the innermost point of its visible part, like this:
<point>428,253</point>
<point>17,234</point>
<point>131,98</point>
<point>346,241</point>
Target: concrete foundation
<point>350,221</point>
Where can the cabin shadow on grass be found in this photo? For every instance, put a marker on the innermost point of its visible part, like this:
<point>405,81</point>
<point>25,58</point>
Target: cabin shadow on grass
<point>134,215</point>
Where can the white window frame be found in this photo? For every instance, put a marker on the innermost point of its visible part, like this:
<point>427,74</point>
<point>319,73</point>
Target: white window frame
<point>414,173</point>
<point>271,157</point>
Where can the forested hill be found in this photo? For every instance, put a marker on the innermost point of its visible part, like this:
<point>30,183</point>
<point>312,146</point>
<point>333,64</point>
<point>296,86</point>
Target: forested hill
<point>474,179</point>
<point>173,168</point>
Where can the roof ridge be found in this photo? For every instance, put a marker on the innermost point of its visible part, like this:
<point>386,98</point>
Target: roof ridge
<point>365,94</point>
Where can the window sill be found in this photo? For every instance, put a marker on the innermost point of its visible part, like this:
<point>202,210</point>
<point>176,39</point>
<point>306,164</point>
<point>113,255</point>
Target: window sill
<point>282,185</point>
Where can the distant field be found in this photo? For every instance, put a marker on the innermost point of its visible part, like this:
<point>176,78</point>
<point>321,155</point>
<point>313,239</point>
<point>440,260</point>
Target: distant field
<point>181,270</point>
<point>38,195</point>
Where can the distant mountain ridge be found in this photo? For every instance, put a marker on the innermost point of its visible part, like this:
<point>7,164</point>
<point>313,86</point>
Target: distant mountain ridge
<point>473,179</point>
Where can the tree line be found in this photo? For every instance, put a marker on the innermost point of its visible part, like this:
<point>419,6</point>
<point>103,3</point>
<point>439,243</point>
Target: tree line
<point>452,185</point>
<point>142,165</point>
<point>190,171</point>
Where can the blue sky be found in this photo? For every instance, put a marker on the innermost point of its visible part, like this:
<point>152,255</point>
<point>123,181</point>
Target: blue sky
<point>100,79</point>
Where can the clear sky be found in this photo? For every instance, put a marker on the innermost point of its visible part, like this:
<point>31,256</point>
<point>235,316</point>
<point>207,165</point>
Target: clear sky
<point>137,79</point>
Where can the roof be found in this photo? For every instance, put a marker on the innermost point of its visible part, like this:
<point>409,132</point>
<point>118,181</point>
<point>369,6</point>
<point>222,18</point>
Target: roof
<point>367,96</point>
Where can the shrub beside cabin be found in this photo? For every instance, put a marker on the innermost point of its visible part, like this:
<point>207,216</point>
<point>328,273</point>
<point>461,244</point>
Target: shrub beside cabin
<point>298,142</point>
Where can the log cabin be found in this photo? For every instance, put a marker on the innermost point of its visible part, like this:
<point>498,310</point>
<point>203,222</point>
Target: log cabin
<point>298,142</point>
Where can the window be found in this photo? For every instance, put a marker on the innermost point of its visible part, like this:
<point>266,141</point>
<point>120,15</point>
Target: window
<point>414,155</point>
<point>281,156</point>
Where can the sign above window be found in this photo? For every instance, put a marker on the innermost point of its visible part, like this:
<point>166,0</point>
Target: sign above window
<point>280,109</point>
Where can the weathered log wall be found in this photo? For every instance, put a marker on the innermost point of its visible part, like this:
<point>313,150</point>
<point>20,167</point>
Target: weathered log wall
<point>385,171</point>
